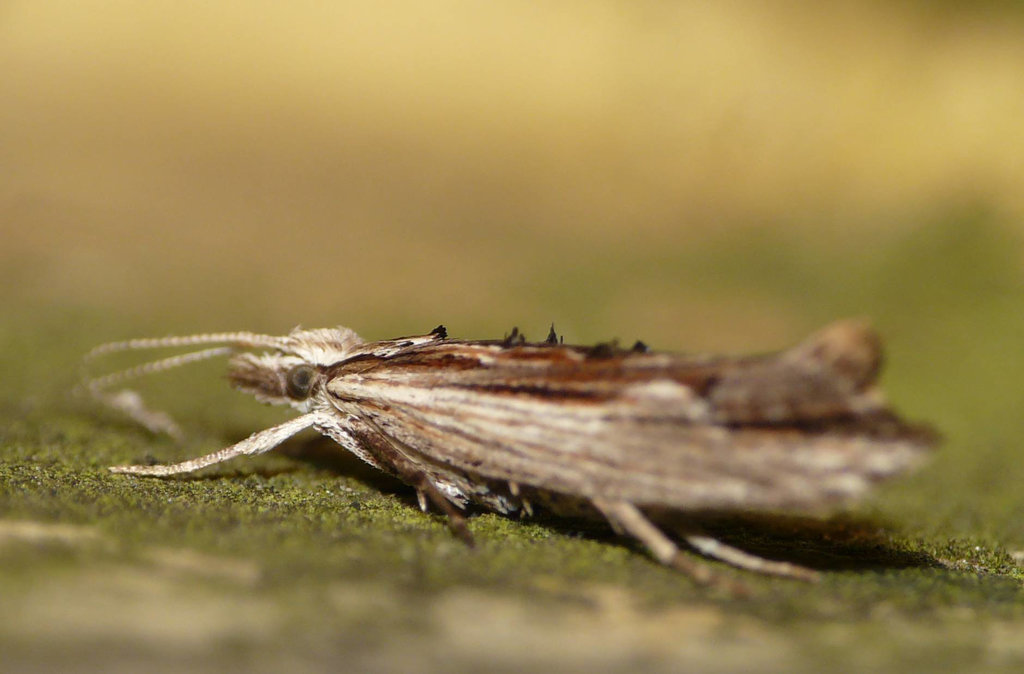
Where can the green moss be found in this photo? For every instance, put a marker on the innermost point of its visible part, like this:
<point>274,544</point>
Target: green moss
<point>323,560</point>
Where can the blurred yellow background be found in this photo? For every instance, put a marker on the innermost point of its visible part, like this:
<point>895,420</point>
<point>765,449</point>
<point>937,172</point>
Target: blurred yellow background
<point>396,164</point>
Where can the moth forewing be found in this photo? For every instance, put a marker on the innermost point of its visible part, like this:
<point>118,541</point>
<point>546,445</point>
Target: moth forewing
<point>649,428</point>
<point>506,424</point>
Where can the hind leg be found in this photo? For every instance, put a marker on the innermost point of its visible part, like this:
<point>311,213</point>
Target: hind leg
<point>627,518</point>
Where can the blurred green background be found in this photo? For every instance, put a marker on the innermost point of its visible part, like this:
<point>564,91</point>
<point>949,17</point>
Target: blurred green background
<point>701,176</point>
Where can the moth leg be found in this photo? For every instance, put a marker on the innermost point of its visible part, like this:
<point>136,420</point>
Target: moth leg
<point>627,518</point>
<point>426,490</point>
<point>130,403</point>
<point>411,472</point>
<point>716,549</point>
<point>257,443</point>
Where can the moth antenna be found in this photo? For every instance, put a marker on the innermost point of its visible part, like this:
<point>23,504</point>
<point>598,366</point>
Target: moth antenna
<point>97,384</point>
<point>236,339</point>
<point>130,402</point>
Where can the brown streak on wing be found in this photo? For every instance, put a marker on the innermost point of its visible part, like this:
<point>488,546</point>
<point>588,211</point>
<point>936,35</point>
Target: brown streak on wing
<point>797,430</point>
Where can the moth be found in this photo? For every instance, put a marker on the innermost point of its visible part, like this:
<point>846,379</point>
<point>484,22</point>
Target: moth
<point>624,434</point>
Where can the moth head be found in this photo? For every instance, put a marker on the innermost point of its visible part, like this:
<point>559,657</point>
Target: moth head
<point>288,372</point>
<point>292,374</point>
<point>275,378</point>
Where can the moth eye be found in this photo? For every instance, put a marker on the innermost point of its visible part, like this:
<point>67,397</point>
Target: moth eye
<point>299,382</point>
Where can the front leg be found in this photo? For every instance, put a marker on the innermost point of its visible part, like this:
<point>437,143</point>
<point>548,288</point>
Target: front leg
<point>364,437</point>
<point>257,443</point>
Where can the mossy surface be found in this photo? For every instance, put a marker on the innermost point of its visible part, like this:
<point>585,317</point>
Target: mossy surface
<point>305,558</point>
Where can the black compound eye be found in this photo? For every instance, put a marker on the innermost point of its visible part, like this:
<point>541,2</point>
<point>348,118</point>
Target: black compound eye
<point>299,382</point>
